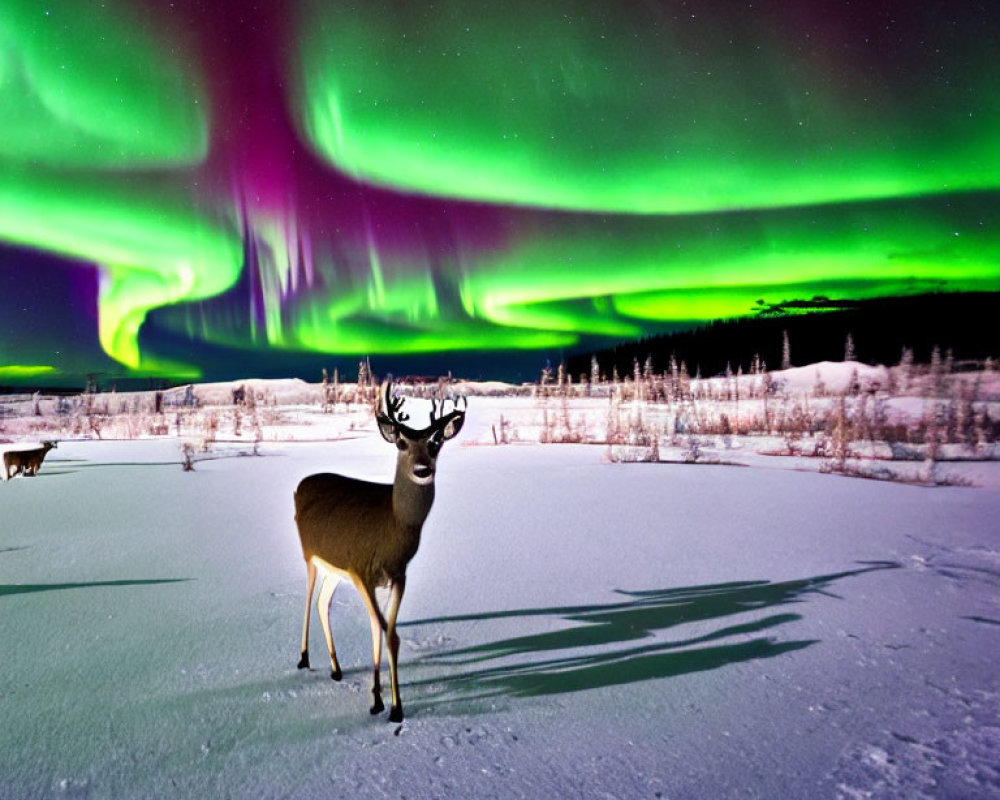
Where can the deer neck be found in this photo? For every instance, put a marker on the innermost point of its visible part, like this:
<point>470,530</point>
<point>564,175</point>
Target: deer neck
<point>411,502</point>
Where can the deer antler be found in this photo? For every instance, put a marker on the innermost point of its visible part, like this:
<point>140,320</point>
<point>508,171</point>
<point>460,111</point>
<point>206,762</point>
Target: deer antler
<point>391,406</point>
<point>458,406</point>
<point>390,411</point>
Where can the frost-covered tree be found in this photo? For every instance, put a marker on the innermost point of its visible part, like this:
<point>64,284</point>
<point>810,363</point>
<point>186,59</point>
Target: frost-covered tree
<point>187,449</point>
<point>849,354</point>
<point>819,388</point>
<point>673,389</point>
<point>963,393</point>
<point>839,433</point>
<point>258,431</point>
<point>854,383</point>
<point>786,351</point>
<point>545,380</point>
<point>905,369</point>
<point>366,394</point>
<point>937,372</point>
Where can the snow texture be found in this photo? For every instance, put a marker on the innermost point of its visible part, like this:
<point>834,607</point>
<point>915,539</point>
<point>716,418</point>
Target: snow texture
<point>572,628</point>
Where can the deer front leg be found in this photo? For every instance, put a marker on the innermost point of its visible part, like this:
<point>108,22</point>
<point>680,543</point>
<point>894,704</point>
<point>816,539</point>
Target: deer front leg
<point>377,705</point>
<point>310,584</point>
<point>396,712</point>
<point>377,625</point>
<point>323,606</point>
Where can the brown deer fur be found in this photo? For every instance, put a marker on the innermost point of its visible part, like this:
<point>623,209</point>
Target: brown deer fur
<point>369,532</point>
<point>25,462</point>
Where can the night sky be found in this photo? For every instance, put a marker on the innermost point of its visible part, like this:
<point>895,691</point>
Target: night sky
<point>207,190</point>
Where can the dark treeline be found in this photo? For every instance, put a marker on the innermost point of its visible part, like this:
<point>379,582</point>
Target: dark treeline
<point>965,323</point>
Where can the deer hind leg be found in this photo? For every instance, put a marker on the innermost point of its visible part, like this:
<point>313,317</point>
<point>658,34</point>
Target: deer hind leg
<point>323,602</point>
<point>377,625</point>
<point>392,638</point>
<point>310,584</point>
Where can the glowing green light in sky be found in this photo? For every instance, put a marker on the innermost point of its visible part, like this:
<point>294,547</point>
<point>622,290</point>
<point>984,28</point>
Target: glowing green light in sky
<point>631,164</point>
<point>20,372</point>
<point>699,269</point>
<point>358,336</point>
<point>85,94</point>
<point>81,86</point>
<point>153,249</point>
<point>395,308</point>
<point>630,107</point>
<point>576,275</point>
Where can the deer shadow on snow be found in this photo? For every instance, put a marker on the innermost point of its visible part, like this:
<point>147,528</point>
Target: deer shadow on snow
<point>31,588</point>
<point>616,643</point>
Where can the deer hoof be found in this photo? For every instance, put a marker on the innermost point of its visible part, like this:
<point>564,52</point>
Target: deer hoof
<point>378,707</point>
<point>304,661</point>
<point>396,714</point>
<point>336,674</point>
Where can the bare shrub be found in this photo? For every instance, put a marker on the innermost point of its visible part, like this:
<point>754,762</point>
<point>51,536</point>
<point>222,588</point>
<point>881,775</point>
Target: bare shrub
<point>187,450</point>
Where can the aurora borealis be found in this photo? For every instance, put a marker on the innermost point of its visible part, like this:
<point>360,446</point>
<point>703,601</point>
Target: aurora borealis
<point>191,188</point>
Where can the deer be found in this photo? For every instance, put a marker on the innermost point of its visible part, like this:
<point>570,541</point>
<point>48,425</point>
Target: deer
<point>25,462</point>
<point>368,532</point>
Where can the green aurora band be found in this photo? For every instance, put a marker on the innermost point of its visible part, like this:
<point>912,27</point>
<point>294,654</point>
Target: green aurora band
<point>578,275</point>
<point>645,163</point>
<point>21,372</point>
<point>716,266</point>
<point>634,108</point>
<point>83,87</point>
<point>151,253</point>
<point>73,124</point>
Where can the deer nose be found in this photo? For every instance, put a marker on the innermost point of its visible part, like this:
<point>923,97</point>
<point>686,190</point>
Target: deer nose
<point>422,471</point>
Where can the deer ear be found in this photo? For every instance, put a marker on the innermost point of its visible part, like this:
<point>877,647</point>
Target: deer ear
<point>453,427</point>
<point>388,429</point>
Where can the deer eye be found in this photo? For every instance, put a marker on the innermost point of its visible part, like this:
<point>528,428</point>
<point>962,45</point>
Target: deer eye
<point>401,444</point>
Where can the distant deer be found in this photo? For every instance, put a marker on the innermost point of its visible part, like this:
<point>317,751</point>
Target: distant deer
<point>26,462</point>
<point>368,532</point>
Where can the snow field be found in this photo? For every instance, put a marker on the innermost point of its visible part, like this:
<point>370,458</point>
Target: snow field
<point>571,628</point>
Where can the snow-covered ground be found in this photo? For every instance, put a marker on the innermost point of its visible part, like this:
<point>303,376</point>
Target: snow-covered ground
<point>572,628</point>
